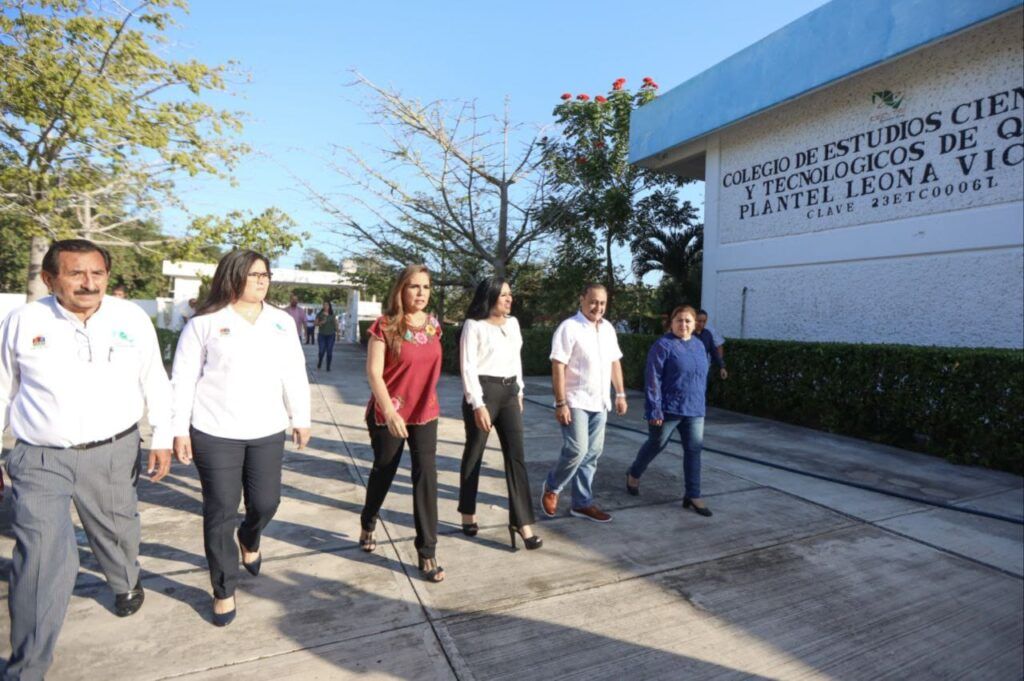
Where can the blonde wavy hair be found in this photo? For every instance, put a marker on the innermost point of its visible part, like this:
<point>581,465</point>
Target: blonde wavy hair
<point>394,314</point>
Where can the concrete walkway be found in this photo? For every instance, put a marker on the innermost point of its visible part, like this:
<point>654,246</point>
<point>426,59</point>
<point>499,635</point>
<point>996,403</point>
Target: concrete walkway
<point>795,577</point>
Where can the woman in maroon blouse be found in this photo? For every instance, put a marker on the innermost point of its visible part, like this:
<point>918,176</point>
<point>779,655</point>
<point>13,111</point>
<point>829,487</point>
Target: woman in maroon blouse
<point>403,364</point>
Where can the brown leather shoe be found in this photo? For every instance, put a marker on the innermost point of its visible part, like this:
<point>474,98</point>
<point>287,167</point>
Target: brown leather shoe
<point>549,502</point>
<point>591,513</point>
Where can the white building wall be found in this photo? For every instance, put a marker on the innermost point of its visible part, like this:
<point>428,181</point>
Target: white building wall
<point>945,267</point>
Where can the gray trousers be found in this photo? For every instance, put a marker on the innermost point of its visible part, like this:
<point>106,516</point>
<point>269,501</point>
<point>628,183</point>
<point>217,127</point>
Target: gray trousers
<point>101,483</point>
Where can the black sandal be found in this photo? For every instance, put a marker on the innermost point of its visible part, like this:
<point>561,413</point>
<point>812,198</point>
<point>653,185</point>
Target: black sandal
<point>434,574</point>
<point>470,529</point>
<point>367,543</point>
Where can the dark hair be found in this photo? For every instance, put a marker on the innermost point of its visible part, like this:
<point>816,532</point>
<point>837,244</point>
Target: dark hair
<point>587,288</point>
<point>229,280</point>
<point>485,297</point>
<point>71,246</point>
<point>330,308</point>
<point>702,311</point>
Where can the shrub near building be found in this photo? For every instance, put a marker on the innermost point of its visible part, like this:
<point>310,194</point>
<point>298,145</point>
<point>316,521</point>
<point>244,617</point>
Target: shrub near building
<point>966,405</point>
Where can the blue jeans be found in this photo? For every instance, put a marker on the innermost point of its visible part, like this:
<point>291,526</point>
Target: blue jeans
<point>326,349</point>
<point>582,442</point>
<point>691,432</point>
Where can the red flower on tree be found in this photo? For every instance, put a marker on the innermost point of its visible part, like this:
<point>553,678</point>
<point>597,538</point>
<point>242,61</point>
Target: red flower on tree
<point>617,85</point>
<point>566,95</point>
<point>648,80</point>
<point>583,98</point>
<point>581,160</point>
<point>598,144</point>
<point>600,100</point>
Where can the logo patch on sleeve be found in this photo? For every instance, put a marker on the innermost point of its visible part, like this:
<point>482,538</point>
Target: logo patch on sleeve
<point>38,342</point>
<point>226,331</point>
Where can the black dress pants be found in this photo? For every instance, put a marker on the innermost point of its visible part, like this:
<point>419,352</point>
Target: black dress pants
<point>387,453</point>
<point>501,398</point>
<point>227,468</point>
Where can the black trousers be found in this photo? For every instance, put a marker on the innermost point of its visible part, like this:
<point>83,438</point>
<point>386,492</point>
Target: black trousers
<point>387,453</point>
<point>502,402</point>
<point>227,469</point>
<point>310,330</point>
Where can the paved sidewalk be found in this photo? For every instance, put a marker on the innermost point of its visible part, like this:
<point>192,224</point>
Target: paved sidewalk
<point>795,577</point>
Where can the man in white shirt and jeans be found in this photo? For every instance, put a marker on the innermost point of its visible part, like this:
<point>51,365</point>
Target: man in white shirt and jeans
<point>77,369</point>
<point>585,358</point>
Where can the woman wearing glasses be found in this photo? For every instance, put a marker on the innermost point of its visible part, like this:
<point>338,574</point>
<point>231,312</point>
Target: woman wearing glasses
<point>231,410</point>
<point>403,363</point>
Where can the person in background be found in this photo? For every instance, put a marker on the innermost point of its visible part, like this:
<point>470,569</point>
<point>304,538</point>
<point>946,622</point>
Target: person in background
<point>327,326</point>
<point>713,341</point>
<point>492,382</point>
<point>403,364</point>
<point>310,326</point>
<point>120,291</point>
<point>239,377</point>
<point>297,314</point>
<point>675,380</point>
<point>77,371</point>
<point>585,358</point>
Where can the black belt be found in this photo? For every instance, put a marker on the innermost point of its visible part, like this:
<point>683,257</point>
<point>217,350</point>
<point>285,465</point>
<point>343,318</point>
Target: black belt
<point>507,380</point>
<point>94,443</point>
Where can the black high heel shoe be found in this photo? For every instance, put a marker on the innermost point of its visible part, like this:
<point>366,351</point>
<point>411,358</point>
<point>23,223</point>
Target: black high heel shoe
<point>699,510</point>
<point>223,619</point>
<point>470,529</point>
<point>531,543</point>
<point>434,574</point>
<point>252,568</point>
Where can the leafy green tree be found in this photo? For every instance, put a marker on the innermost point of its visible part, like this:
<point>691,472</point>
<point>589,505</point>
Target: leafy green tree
<point>269,233</point>
<point>95,119</point>
<point>317,261</point>
<point>14,244</point>
<point>669,240</point>
<point>597,190</point>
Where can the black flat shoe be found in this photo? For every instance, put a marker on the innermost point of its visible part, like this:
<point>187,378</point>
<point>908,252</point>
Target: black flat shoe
<point>129,603</point>
<point>531,543</point>
<point>225,618</point>
<point>470,529</point>
<point>633,491</point>
<point>699,510</point>
<point>252,568</point>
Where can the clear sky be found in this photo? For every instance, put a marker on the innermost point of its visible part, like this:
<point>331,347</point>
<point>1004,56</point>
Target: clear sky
<point>298,57</point>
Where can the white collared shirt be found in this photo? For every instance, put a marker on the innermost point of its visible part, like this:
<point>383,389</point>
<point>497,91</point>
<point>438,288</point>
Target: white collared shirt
<point>64,382</point>
<point>587,351</point>
<point>238,380</point>
<point>489,350</point>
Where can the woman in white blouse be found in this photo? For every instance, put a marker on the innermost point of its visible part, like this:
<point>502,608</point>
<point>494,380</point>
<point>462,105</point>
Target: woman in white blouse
<point>239,378</point>
<point>492,381</point>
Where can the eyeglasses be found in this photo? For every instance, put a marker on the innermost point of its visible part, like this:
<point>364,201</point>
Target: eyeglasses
<point>259,276</point>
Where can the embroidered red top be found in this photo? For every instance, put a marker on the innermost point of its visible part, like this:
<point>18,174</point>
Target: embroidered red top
<point>411,377</point>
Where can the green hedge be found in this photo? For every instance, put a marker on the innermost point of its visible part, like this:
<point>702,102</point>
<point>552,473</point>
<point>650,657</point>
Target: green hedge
<point>168,341</point>
<point>965,405</point>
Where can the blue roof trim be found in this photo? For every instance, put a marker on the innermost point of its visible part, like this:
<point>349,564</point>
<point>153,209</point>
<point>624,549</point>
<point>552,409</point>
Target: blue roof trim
<point>835,40</point>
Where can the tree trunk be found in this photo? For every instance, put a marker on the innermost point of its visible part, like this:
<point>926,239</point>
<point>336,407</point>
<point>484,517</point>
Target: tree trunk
<point>501,247</point>
<point>609,266</point>
<point>35,288</point>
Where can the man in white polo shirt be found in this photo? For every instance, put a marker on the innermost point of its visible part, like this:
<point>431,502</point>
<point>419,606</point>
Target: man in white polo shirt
<point>585,358</point>
<point>77,370</point>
